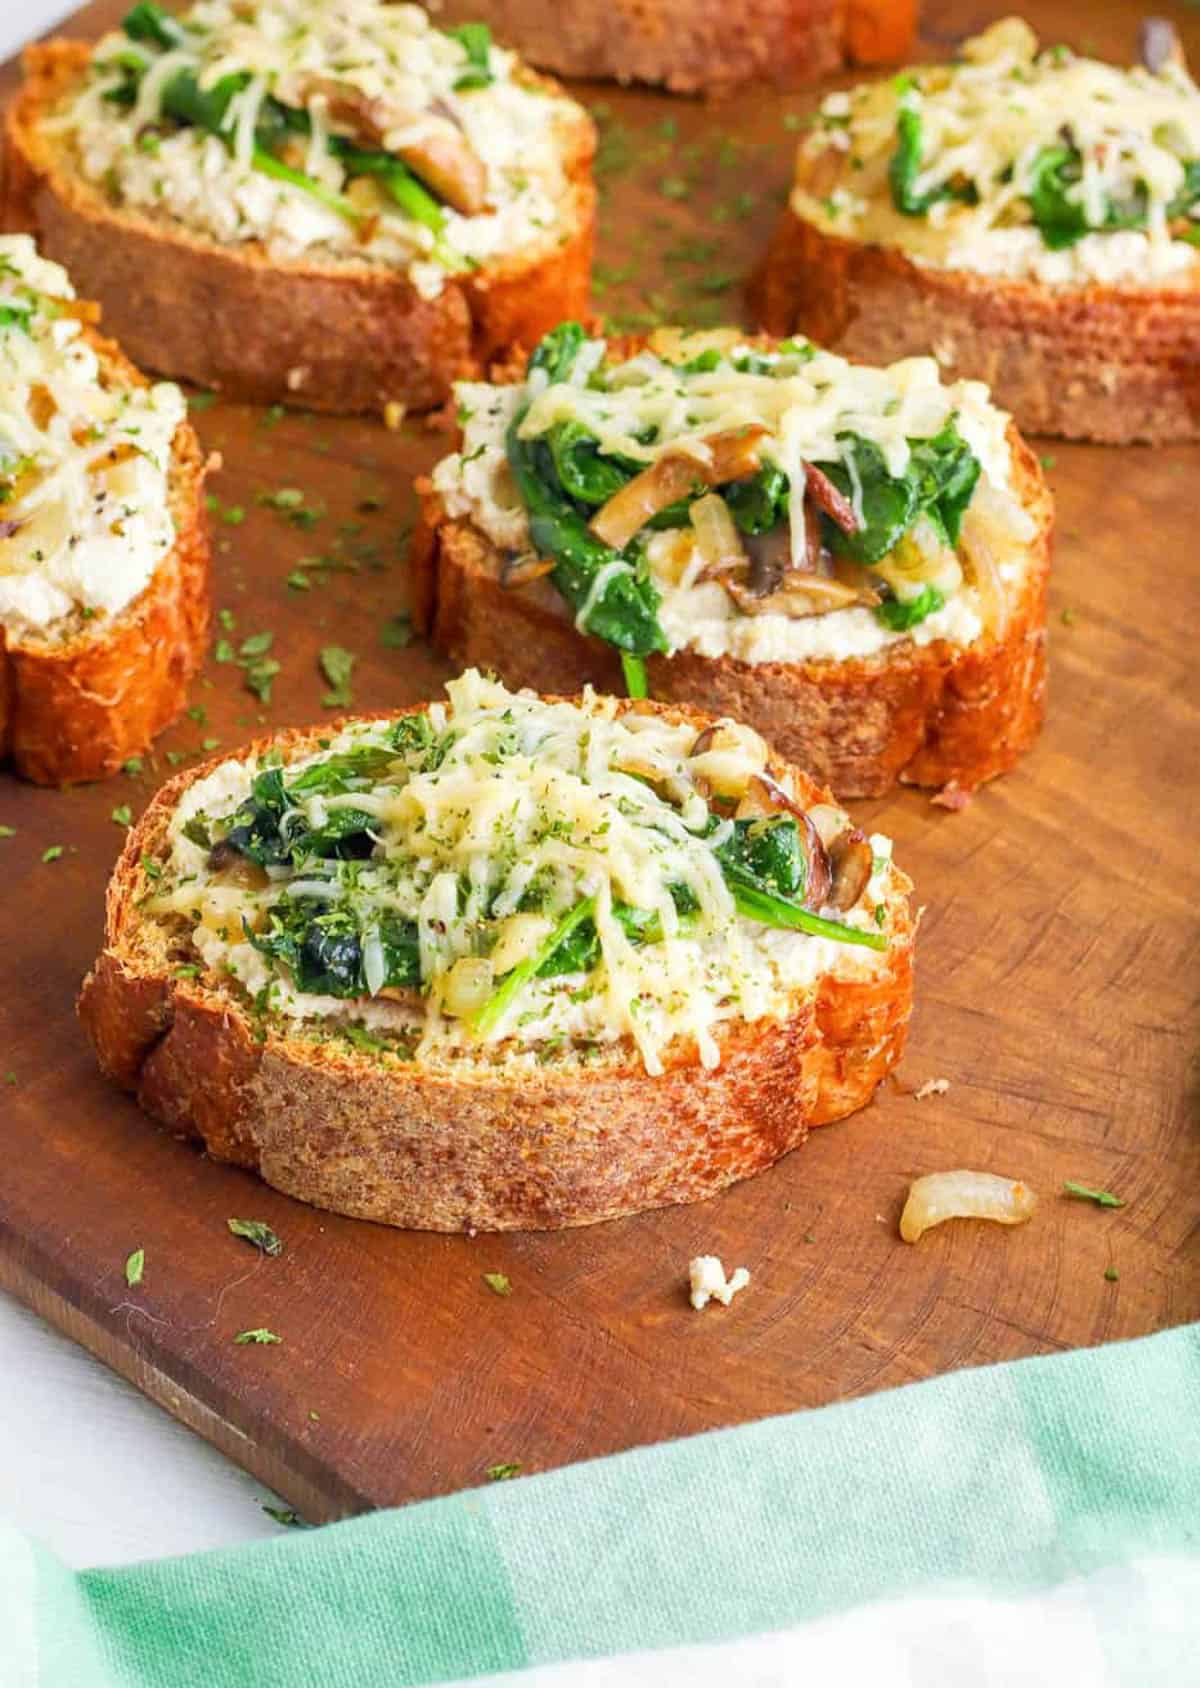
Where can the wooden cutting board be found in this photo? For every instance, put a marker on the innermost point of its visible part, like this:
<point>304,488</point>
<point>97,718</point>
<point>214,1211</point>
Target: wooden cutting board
<point>1056,989</point>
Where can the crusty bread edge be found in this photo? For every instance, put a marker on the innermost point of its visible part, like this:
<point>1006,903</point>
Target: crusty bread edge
<point>76,708</point>
<point>928,715</point>
<point>330,337</point>
<point>699,47</point>
<point>1112,365</point>
<point>479,1148</point>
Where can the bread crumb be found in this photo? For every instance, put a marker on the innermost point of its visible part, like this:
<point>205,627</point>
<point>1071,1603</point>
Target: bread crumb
<point>953,796</point>
<point>297,376</point>
<point>393,414</point>
<point>709,1282</point>
<point>931,1087</point>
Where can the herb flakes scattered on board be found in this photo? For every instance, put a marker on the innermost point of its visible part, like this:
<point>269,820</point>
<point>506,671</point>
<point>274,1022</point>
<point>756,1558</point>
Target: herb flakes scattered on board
<point>135,1267</point>
<point>337,665</point>
<point>260,1337</point>
<point>497,1283</point>
<point>258,1233</point>
<point>1102,1198</point>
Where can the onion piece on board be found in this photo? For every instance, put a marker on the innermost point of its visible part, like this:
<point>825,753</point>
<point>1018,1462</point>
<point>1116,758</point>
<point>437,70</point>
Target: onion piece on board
<point>964,1195</point>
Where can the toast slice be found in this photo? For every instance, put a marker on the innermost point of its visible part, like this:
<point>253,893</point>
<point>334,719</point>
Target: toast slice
<point>949,710</point>
<point>570,1104</point>
<point>328,331</point>
<point>699,46</point>
<point>1083,332</point>
<point>91,687</point>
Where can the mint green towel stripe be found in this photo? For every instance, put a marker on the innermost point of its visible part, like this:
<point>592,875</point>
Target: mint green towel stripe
<point>1005,1480</point>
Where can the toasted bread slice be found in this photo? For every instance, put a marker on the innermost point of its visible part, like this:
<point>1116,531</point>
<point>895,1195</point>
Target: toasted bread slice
<point>1109,364</point>
<point>699,46</point>
<point>926,714</point>
<point>488,1138</point>
<point>1084,325</point>
<point>332,336</point>
<point>79,698</point>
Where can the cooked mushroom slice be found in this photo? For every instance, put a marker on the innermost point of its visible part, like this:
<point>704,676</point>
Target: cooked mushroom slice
<point>440,153</point>
<point>730,456</point>
<point>834,503</point>
<point>765,796</point>
<point>1159,45</point>
<point>800,595</point>
<point>520,570</point>
<point>770,557</point>
<point>850,858</point>
<point>446,162</point>
<point>229,867</point>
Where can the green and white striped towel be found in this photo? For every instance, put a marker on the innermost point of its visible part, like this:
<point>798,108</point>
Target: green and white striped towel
<point>1023,1524</point>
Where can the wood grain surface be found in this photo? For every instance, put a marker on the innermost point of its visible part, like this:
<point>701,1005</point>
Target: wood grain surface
<point>1056,991</point>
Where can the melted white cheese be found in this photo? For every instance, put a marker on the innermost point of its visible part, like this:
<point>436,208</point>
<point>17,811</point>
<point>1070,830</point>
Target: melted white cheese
<point>384,51</point>
<point>983,122</point>
<point>527,791</point>
<point>84,518</point>
<point>805,414</point>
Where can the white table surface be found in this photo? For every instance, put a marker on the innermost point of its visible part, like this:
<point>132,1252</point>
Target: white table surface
<point>87,1464</point>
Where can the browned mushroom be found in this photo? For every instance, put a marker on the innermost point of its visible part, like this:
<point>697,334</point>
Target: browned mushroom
<point>441,155</point>
<point>229,867</point>
<point>834,503</point>
<point>770,556</point>
<point>447,162</point>
<point>850,858</point>
<point>800,595</point>
<point>1159,45</point>
<point>765,796</point>
<point>520,570</point>
<point>730,456</point>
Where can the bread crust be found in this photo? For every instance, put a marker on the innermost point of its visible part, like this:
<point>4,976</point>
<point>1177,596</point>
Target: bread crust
<point>1109,364</point>
<point>329,337</point>
<point>76,708</point>
<point>698,46</point>
<point>923,714</point>
<point>480,1147</point>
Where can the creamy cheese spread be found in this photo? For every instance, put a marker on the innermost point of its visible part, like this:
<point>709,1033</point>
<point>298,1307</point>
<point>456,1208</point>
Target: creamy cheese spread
<point>811,403</point>
<point>1025,163</point>
<point>84,461</point>
<point>448,855</point>
<point>324,66</point>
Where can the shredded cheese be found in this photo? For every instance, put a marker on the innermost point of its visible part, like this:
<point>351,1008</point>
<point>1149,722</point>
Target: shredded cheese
<point>84,462</point>
<point>808,406</point>
<point>388,57</point>
<point>509,814</point>
<point>984,121</point>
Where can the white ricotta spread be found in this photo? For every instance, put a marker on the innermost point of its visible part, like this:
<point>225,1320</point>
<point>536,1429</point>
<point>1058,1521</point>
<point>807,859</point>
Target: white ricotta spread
<point>808,414</point>
<point>706,1276</point>
<point>493,825</point>
<point>84,518</point>
<point>986,123</point>
<point>308,54</point>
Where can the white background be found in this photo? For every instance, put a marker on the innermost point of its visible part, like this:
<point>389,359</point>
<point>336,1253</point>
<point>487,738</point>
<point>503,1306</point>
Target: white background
<point>86,1463</point>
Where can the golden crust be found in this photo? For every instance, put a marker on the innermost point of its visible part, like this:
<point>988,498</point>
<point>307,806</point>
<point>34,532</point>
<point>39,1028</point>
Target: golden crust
<point>1114,365</point>
<point>482,1147</point>
<point>926,715</point>
<point>328,337</point>
<point>76,708</point>
<point>698,46</point>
